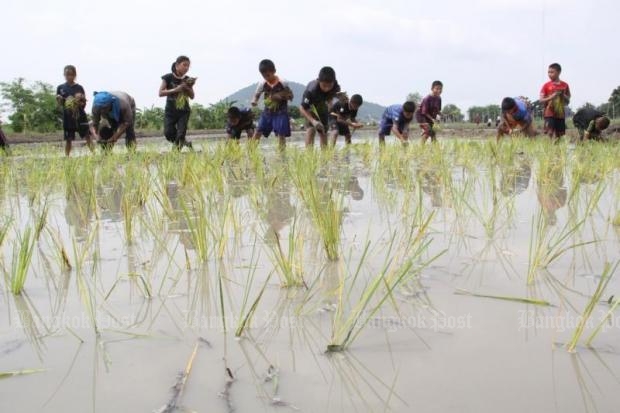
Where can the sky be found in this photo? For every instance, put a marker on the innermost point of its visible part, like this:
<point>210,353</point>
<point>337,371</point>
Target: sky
<point>482,50</point>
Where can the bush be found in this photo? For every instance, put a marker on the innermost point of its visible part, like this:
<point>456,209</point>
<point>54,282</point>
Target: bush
<point>33,107</point>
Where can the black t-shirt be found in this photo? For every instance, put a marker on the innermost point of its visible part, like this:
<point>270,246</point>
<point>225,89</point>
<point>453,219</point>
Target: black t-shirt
<point>65,90</point>
<point>71,118</point>
<point>245,122</point>
<point>313,95</point>
<point>171,82</point>
<point>344,111</point>
<point>584,116</point>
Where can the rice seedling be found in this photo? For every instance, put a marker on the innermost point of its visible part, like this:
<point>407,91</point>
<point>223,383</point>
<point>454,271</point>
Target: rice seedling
<point>604,321</point>
<point>61,252</point>
<point>195,213</point>
<point>380,288</point>
<point>177,390</point>
<point>547,246</point>
<point>31,323</point>
<point>23,249</point>
<point>245,317</point>
<point>287,263</point>
<point>7,374</point>
<point>219,223</point>
<point>606,276</point>
<point>322,201</point>
<point>543,303</point>
<point>4,228</point>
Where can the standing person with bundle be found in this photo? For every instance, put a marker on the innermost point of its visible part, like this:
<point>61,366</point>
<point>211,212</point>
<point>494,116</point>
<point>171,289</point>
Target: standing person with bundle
<point>428,112</point>
<point>555,95</point>
<point>71,100</point>
<point>178,89</point>
<point>276,95</point>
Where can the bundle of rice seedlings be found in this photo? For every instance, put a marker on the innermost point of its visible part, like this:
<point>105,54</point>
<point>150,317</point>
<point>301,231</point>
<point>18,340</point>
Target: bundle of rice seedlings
<point>182,99</point>
<point>558,106</point>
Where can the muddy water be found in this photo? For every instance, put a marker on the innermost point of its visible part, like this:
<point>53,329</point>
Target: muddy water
<point>427,349</point>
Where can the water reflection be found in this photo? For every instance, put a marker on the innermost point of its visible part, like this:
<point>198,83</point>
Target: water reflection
<point>431,182</point>
<point>79,211</point>
<point>550,190</point>
<point>354,189</point>
<point>515,176</point>
<point>181,210</point>
<point>109,199</point>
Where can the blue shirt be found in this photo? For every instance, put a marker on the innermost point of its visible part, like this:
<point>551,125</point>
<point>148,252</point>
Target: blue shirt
<point>394,114</point>
<point>522,114</point>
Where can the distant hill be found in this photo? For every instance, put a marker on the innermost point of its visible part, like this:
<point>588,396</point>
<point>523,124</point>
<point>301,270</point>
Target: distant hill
<point>368,111</point>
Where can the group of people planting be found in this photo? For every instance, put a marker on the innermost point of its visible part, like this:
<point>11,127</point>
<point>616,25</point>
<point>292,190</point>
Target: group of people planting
<point>328,111</point>
<point>555,96</point>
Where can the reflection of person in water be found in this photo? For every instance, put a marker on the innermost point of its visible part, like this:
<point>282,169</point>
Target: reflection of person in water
<point>78,212</point>
<point>110,200</point>
<point>432,185</point>
<point>279,209</point>
<point>550,189</point>
<point>354,189</point>
<point>237,178</point>
<point>178,224</point>
<point>515,176</point>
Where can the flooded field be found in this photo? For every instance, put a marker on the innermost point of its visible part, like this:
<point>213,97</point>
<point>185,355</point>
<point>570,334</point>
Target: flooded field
<point>458,277</point>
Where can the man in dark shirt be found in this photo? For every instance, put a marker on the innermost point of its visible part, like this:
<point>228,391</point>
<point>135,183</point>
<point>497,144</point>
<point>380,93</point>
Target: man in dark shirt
<point>343,116</point>
<point>590,123</point>
<point>316,104</point>
<point>239,120</point>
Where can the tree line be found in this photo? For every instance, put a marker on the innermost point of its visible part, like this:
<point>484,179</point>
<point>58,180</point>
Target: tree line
<point>33,108</point>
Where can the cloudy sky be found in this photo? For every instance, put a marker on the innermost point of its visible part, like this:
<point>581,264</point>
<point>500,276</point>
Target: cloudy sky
<point>481,49</point>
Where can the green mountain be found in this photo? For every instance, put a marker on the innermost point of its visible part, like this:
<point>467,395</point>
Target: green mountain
<point>368,111</point>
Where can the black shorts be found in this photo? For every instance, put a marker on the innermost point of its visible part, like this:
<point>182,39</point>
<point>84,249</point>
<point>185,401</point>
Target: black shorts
<point>237,133</point>
<point>73,126</point>
<point>555,125</point>
<point>342,128</point>
<point>83,131</point>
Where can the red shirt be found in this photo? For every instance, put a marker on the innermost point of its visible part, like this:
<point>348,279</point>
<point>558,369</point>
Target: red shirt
<point>555,107</point>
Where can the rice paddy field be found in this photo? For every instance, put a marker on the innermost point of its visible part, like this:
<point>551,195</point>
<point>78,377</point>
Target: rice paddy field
<point>464,276</point>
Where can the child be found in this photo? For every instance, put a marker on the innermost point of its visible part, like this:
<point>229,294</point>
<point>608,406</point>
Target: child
<point>342,116</point>
<point>555,94</point>
<point>114,114</point>
<point>590,123</point>
<point>239,120</point>
<point>4,143</point>
<point>429,109</point>
<point>276,93</point>
<point>177,87</point>
<point>516,115</point>
<point>71,99</point>
<point>316,104</point>
<point>396,119</point>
